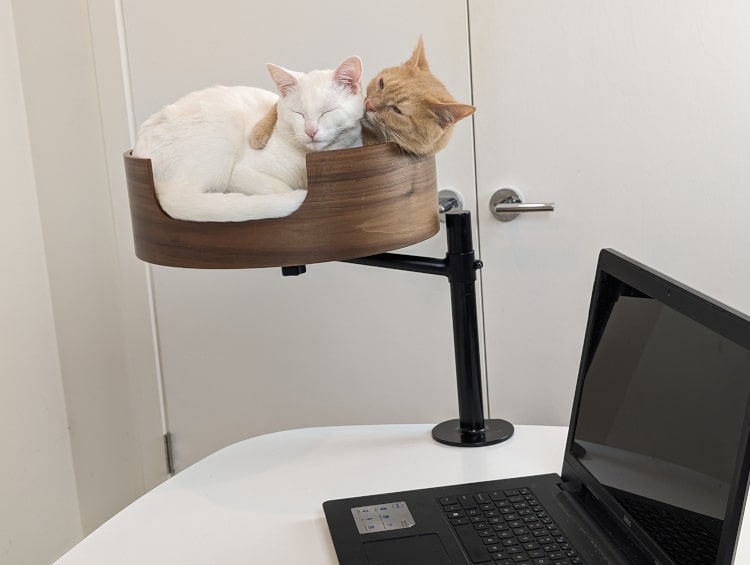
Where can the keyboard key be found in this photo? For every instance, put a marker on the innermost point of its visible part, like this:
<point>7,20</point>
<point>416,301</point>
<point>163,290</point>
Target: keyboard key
<point>459,521</point>
<point>467,501</point>
<point>510,542</point>
<point>493,548</point>
<point>531,546</point>
<point>482,498</point>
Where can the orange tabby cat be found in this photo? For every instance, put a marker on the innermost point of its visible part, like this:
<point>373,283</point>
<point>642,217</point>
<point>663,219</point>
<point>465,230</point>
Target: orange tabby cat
<point>406,104</point>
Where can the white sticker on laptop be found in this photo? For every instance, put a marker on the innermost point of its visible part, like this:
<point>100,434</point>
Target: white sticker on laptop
<point>382,517</point>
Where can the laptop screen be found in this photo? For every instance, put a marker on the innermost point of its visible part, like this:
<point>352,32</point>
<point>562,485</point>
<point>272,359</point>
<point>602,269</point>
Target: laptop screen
<point>662,411</point>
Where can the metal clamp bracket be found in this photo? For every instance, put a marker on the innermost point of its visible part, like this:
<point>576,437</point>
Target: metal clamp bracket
<point>449,199</point>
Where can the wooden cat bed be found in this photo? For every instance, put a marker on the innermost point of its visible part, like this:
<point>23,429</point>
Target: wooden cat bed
<point>360,202</point>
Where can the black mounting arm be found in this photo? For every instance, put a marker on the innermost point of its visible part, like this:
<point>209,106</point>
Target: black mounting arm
<point>459,266</point>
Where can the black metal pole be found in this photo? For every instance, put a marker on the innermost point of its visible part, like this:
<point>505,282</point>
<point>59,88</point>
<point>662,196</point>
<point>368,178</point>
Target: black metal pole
<point>462,268</point>
<point>471,429</point>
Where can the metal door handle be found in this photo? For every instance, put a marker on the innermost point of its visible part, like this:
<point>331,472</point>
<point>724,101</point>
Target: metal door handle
<point>506,204</point>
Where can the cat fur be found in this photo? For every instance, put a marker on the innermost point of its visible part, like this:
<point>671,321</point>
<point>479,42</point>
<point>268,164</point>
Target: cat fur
<point>412,108</point>
<point>204,167</point>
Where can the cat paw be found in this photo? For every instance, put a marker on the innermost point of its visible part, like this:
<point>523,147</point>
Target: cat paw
<point>261,132</point>
<point>259,138</point>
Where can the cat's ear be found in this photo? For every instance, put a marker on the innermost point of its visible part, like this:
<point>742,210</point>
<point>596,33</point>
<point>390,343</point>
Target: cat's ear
<point>449,113</point>
<point>418,58</point>
<point>284,79</point>
<point>349,74</point>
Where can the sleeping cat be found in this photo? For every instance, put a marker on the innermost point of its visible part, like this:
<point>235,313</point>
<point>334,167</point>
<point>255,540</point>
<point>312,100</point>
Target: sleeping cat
<point>204,168</point>
<point>406,104</point>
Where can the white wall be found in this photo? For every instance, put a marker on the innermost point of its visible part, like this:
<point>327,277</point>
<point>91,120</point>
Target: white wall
<point>74,309</point>
<point>39,516</point>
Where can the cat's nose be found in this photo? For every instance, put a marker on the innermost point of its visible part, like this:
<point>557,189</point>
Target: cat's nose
<point>311,132</point>
<point>368,106</point>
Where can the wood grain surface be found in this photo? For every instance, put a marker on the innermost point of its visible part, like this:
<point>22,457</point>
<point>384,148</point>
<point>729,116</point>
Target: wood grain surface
<point>360,202</point>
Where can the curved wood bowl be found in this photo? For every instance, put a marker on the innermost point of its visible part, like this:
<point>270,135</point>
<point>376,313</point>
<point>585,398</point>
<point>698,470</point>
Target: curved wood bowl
<point>360,202</point>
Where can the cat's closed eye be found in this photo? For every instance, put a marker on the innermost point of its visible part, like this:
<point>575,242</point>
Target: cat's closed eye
<point>396,109</point>
<point>381,84</point>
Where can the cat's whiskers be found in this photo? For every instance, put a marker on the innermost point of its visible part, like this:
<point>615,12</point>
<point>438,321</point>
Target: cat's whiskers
<point>398,139</point>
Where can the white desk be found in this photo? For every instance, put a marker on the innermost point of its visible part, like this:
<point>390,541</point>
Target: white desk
<point>259,500</point>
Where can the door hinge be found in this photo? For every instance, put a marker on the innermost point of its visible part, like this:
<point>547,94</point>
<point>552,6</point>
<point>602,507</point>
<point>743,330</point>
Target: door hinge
<point>168,452</point>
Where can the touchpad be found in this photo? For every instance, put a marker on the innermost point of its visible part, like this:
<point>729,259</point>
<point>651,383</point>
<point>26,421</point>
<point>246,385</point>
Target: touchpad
<point>407,551</point>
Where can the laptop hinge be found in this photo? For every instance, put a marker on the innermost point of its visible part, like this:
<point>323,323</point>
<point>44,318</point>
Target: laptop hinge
<point>569,486</point>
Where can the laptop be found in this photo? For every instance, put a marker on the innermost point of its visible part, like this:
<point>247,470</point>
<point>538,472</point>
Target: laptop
<point>656,460</point>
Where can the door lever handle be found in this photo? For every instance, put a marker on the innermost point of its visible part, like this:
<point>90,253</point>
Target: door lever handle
<point>506,204</point>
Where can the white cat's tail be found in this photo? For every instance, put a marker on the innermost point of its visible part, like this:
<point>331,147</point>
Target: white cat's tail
<point>228,206</point>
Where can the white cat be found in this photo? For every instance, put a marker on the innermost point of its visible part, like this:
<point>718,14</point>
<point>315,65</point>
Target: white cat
<point>204,167</point>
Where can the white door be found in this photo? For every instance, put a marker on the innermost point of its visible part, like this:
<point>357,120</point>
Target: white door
<point>633,117</point>
<point>249,352</point>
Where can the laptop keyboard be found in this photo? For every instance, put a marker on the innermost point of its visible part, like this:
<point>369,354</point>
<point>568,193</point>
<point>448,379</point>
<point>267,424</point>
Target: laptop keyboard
<point>507,527</point>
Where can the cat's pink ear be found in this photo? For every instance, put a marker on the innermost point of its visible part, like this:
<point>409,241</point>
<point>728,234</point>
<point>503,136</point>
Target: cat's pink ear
<point>284,79</point>
<point>349,74</point>
<point>418,58</point>
<point>451,112</point>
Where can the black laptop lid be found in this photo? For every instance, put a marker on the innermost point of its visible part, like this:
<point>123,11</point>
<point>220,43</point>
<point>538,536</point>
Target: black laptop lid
<point>658,440</point>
